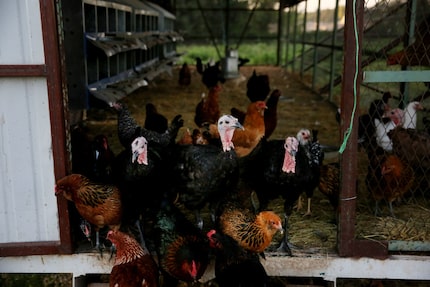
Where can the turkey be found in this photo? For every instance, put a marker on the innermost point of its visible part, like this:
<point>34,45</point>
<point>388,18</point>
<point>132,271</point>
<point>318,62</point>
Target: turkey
<point>202,174</point>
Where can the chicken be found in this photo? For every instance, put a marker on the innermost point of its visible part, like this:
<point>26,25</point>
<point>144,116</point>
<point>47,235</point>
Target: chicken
<point>91,157</point>
<point>257,87</point>
<point>253,232</point>
<point>134,266</point>
<point>99,204</point>
<point>184,75</point>
<point>382,129</point>
<point>417,53</point>
<point>154,121</point>
<point>103,160</point>
<point>329,183</point>
<point>207,110</point>
<point>201,174</point>
<point>412,147</point>
<point>410,114</point>
<point>182,248</point>
<point>129,130</point>
<point>309,143</point>
<point>378,110</point>
<point>283,169</point>
<point>235,266</point>
<point>254,129</point>
<point>270,115</point>
<point>211,73</point>
<point>389,181</point>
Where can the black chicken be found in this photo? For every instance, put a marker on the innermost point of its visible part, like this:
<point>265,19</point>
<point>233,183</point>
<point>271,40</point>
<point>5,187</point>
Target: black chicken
<point>235,266</point>
<point>310,144</point>
<point>366,122</point>
<point>202,174</point>
<point>129,130</point>
<point>211,74</point>
<point>257,87</point>
<point>155,121</point>
<point>181,247</point>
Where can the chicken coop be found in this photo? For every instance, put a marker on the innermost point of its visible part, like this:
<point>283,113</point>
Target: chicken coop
<point>370,60</point>
<point>121,44</point>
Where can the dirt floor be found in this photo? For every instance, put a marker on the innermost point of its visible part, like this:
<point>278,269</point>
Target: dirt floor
<point>297,108</point>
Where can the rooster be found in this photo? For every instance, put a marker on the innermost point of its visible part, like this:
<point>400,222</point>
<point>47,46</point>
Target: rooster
<point>134,266</point>
<point>234,265</point>
<point>99,204</point>
<point>154,121</point>
<point>201,174</point>
<point>182,248</point>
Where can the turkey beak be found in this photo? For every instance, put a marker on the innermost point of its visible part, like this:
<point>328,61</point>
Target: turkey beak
<point>134,156</point>
<point>238,125</point>
<point>293,153</point>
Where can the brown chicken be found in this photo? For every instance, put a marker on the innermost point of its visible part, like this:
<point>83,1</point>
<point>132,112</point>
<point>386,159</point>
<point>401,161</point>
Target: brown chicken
<point>182,248</point>
<point>389,181</point>
<point>413,147</point>
<point>207,110</point>
<point>99,204</point>
<point>134,266</point>
<point>253,232</point>
<point>185,75</point>
<point>270,115</point>
<point>254,129</point>
<point>418,53</point>
<point>329,183</point>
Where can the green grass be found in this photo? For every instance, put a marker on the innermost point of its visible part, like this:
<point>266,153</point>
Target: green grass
<point>257,53</point>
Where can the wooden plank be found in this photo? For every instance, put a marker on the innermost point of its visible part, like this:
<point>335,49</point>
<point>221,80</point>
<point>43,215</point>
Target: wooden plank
<point>395,76</point>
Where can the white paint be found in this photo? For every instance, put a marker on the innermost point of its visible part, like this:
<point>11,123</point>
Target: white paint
<point>21,32</point>
<point>29,206</point>
<point>328,267</point>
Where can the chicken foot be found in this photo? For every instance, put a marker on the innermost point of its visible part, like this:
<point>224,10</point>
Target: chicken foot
<point>285,246</point>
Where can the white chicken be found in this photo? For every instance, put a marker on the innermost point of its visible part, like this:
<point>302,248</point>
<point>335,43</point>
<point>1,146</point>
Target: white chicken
<point>382,138</point>
<point>410,115</point>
